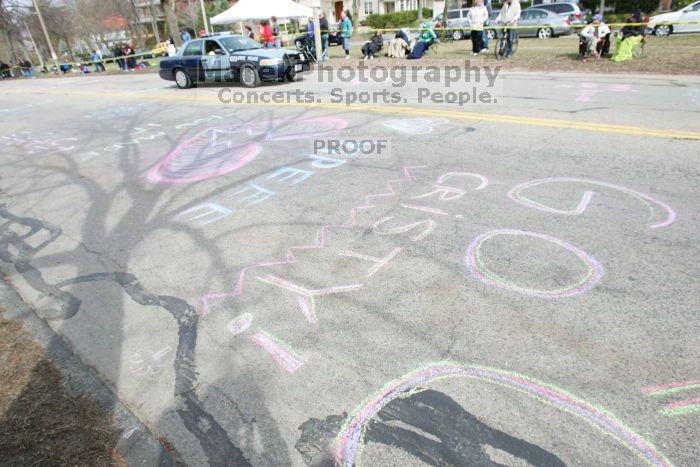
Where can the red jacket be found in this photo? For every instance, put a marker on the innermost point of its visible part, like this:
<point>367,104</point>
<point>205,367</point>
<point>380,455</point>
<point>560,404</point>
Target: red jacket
<point>266,34</point>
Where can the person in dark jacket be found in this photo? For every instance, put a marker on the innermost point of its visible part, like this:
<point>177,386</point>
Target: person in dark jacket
<point>633,30</point>
<point>372,46</point>
<point>325,31</point>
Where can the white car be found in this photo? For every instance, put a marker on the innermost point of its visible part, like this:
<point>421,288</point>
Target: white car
<point>691,13</point>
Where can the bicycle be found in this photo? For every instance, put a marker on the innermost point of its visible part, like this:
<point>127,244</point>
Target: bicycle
<point>502,42</point>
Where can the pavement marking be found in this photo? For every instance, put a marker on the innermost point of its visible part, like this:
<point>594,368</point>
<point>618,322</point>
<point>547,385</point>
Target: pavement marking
<point>500,118</point>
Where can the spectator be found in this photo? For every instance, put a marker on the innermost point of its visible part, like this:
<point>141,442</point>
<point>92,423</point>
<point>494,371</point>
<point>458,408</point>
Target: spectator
<point>426,39</point>
<point>398,45</point>
<point>249,32</point>
<point>118,53</point>
<point>267,38</point>
<point>25,67</point>
<point>130,60</point>
<point>485,35</point>
<point>346,31</point>
<point>477,16</point>
<point>96,57</point>
<point>372,46</point>
<point>185,36</point>
<point>170,48</point>
<point>5,70</point>
<point>634,26</point>
<point>276,32</point>
<point>509,16</point>
<point>325,31</point>
<point>594,34</point>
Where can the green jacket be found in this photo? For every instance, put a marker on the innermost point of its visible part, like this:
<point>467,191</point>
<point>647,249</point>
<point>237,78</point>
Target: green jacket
<point>427,35</point>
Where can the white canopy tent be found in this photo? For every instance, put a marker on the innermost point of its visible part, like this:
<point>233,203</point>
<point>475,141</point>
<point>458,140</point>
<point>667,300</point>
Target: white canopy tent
<point>262,9</point>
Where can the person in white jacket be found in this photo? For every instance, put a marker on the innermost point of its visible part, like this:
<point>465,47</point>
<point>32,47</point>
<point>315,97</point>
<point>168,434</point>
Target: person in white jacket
<point>594,34</point>
<point>509,16</point>
<point>477,16</point>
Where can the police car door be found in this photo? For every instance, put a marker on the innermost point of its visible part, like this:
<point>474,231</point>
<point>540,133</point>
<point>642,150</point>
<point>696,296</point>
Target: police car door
<point>215,62</point>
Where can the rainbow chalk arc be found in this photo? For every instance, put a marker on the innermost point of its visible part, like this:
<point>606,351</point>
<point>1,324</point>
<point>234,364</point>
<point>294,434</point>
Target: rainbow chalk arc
<point>349,442</point>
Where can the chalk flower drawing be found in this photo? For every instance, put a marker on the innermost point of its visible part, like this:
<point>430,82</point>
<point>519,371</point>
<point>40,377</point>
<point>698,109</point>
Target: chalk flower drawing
<point>349,441</point>
<point>218,151</point>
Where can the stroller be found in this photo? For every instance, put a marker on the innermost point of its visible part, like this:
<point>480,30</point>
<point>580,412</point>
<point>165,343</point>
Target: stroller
<point>308,48</point>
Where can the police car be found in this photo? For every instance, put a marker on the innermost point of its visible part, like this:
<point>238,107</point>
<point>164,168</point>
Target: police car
<point>230,58</point>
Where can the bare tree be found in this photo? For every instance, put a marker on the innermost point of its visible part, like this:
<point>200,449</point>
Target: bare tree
<point>171,19</point>
<point>187,12</point>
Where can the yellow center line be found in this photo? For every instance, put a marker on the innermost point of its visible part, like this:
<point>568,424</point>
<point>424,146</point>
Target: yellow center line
<point>463,115</point>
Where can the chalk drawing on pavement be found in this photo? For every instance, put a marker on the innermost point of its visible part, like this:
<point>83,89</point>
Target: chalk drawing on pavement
<point>240,323</point>
<point>679,407</point>
<point>476,264</point>
<point>147,363</point>
<point>414,126</point>
<point>351,438</point>
<point>517,195</point>
<point>204,214</point>
<point>281,352</point>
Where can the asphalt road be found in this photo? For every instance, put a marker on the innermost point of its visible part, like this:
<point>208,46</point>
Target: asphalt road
<point>504,283</point>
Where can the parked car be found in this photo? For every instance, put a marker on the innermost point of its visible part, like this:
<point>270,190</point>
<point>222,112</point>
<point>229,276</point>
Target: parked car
<point>538,22</point>
<point>160,50</point>
<point>690,13</point>
<point>230,58</point>
<point>566,9</point>
<point>333,38</point>
<point>458,23</point>
<point>144,53</point>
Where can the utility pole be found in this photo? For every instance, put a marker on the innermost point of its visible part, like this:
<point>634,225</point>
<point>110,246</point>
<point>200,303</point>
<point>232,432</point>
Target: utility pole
<point>46,34</point>
<point>204,17</point>
<point>36,49</point>
<point>317,31</point>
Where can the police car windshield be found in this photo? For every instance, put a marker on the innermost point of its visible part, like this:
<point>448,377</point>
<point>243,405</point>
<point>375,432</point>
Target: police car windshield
<point>238,43</point>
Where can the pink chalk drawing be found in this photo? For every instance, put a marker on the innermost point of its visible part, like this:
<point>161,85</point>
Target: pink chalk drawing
<point>305,296</point>
<point>350,439</point>
<point>589,90</point>
<point>670,388</point>
<point>679,407</point>
<point>240,323</point>
<point>221,150</point>
<point>516,194</point>
<point>320,240</point>
<point>205,155</point>
<point>476,266</point>
<point>280,352</point>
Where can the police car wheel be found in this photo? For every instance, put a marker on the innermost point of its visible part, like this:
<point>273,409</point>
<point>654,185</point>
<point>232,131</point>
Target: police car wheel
<point>290,75</point>
<point>249,76</point>
<point>182,79</point>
